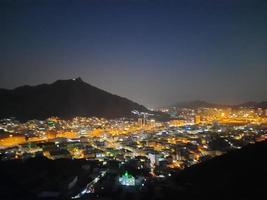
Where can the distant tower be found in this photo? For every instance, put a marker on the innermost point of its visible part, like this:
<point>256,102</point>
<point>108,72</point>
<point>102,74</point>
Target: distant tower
<point>154,159</point>
<point>140,121</point>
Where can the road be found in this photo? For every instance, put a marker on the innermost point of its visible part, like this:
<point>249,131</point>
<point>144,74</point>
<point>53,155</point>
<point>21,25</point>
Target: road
<point>90,186</point>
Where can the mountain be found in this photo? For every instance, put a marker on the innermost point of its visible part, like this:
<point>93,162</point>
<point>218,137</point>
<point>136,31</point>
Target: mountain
<point>198,104</point>
<point>65,99</point>
<point>195,104</point>
<point>252,104</point>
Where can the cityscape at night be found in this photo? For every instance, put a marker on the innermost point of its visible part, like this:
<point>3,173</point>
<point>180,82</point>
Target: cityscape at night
<point>133,99</point>
<point>128,155</point>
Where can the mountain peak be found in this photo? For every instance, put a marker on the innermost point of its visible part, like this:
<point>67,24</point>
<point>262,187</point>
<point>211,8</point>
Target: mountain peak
<point>70,81</point>
<point>78,79</point>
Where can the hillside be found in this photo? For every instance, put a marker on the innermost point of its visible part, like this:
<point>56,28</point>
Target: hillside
<point>238,175</point>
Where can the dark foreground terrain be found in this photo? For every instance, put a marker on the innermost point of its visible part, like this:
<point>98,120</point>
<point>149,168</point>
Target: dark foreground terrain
<point>240,174</point>
<point>41,178</point>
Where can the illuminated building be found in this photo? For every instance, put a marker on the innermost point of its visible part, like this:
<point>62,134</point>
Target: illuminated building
<point>127,179</point>
<point>140,121</point>
<point>177,123</point>
<point>154,159</point>
<point>197,119</point>
<point>152,122</point>
<point>260,111</point>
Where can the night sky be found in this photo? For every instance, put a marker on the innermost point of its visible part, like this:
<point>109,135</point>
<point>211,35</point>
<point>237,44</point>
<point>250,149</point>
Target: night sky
<point>155,52</point>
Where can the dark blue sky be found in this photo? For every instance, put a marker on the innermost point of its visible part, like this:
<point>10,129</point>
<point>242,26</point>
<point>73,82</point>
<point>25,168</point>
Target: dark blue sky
<point>156,52</point>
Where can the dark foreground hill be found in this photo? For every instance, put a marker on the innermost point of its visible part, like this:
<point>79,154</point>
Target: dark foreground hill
<point>64,99</point>
<point>41,178</point>
<point>238,175</point>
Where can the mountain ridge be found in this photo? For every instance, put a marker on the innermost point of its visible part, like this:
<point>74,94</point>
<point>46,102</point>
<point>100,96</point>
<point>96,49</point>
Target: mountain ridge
<point>200,103</point>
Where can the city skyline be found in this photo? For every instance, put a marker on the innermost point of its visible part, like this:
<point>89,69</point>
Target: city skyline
<point>155,53</point>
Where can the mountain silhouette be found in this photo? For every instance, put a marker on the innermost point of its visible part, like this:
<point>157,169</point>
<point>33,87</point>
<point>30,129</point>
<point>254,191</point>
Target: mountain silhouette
<point>65,99</point>
<point>199,103</point>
